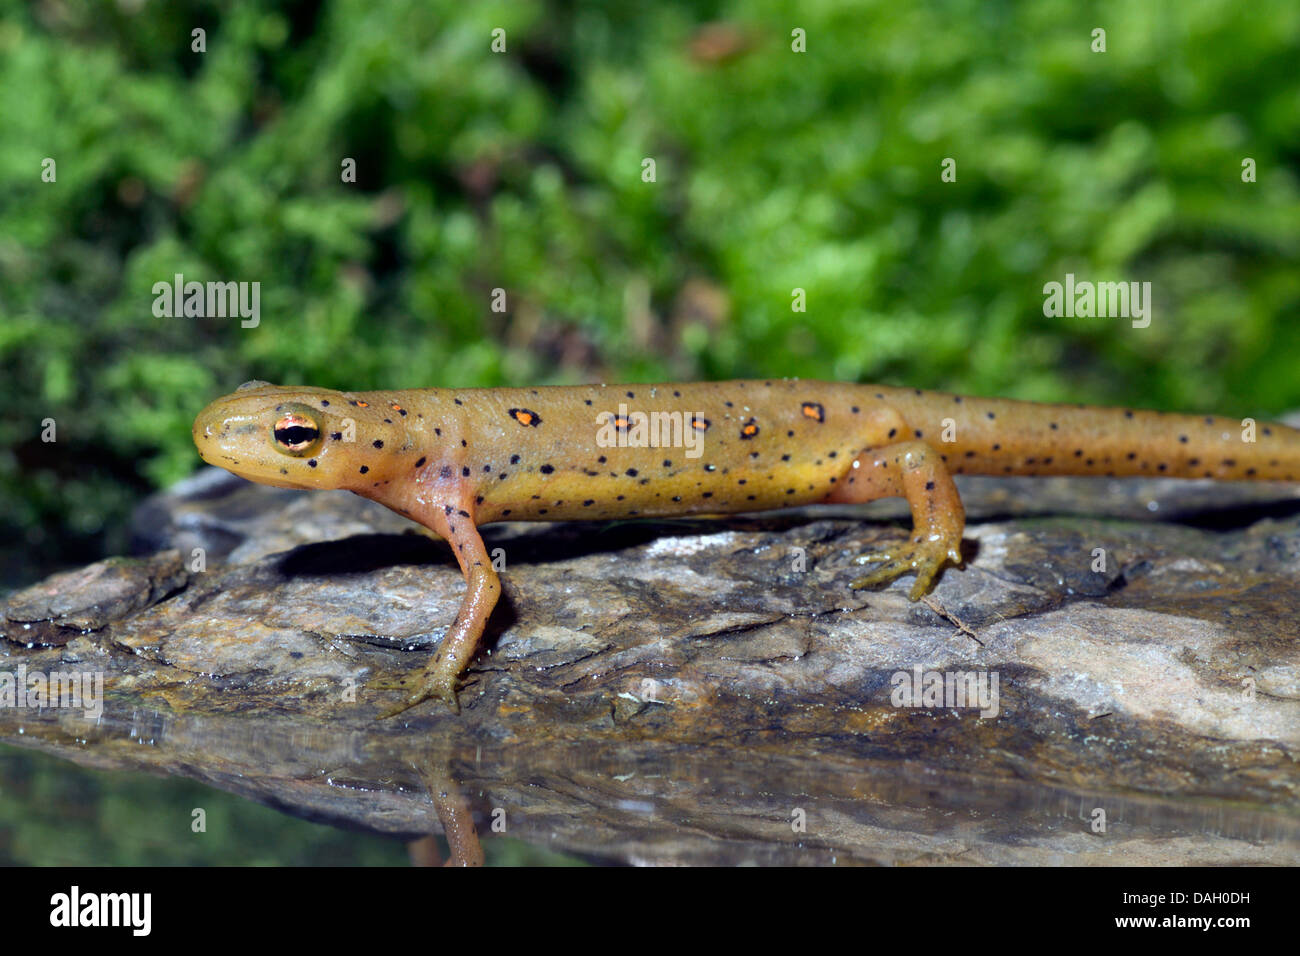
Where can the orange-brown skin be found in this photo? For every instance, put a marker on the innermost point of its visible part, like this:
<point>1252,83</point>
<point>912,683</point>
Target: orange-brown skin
<point>455,459</point>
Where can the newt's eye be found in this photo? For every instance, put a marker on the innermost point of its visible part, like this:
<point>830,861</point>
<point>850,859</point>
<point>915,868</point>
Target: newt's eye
<point>296,434</point>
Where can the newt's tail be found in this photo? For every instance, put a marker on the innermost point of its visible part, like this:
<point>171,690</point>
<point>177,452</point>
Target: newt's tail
<point>1005,437</point>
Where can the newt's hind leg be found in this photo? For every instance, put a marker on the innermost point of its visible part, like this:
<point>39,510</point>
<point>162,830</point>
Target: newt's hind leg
<point>915,471</point>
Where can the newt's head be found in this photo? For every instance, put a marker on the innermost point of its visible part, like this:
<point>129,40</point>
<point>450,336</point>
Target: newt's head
<point>300,437</point>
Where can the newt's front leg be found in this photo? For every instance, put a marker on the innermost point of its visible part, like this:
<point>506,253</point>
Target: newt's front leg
<point>915,471</point>
<point>483,587</point>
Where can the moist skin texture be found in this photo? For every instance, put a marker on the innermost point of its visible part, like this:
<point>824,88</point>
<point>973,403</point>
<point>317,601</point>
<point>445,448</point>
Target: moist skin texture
<point>455,459</point>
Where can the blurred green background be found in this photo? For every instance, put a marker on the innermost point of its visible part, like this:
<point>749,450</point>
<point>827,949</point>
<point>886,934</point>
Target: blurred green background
<point>522,171</point>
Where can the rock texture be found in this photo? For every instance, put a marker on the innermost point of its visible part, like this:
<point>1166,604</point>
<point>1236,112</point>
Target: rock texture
<point>712,691</point>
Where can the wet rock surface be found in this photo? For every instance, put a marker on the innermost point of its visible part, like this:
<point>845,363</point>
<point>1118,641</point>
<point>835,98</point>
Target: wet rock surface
<point>712,691</point>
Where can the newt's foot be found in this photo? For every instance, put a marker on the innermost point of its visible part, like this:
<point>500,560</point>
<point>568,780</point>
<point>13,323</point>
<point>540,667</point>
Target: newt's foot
<point>924,556</point>
<point>432,686</point>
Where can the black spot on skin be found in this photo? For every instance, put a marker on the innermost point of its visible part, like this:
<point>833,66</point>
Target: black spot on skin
<point>458,401</point>
<point>787,458</point>
<point>1128,413</point>
<point>546,469</point>
<point>378,443</point>
<point>365,469</point>
<point>631,472</point>
<point>463,514</point>
<point>486,469</point>
<point>893,432</point>
<point>527,417</point>
<point>667,463</point>
<point>990,415</point>
<point>464,472</point>
<point>337,436</point>
<point>324,403</point>
<point>478,500</point>
<point>929,486</point>
<point>420,463</point>
<point>1183,439</point>
<point>311,463</point>
<point>514,459</point>
<point>388,421</point>
<point>438,432</point>
<point>630,395</point>
<point>600,460</point>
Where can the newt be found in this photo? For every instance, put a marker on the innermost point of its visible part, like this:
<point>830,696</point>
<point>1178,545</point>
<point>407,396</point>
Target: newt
<point>454,460</point>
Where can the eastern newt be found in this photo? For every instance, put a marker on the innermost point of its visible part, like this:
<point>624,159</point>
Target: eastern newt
<point>456,459</point>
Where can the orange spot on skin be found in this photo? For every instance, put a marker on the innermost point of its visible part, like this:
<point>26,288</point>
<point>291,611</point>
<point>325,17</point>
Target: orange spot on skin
<point>525,416</point>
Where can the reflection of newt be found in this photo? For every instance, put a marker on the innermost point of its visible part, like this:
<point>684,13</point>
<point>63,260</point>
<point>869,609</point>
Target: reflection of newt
<point>454,459</point>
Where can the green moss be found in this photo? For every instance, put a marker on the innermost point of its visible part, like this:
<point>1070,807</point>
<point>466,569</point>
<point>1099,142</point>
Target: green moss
<point>522,171</point>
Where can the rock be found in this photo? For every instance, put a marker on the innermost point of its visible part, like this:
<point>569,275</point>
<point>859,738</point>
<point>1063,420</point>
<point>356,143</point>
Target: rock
<point>712,691</point>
